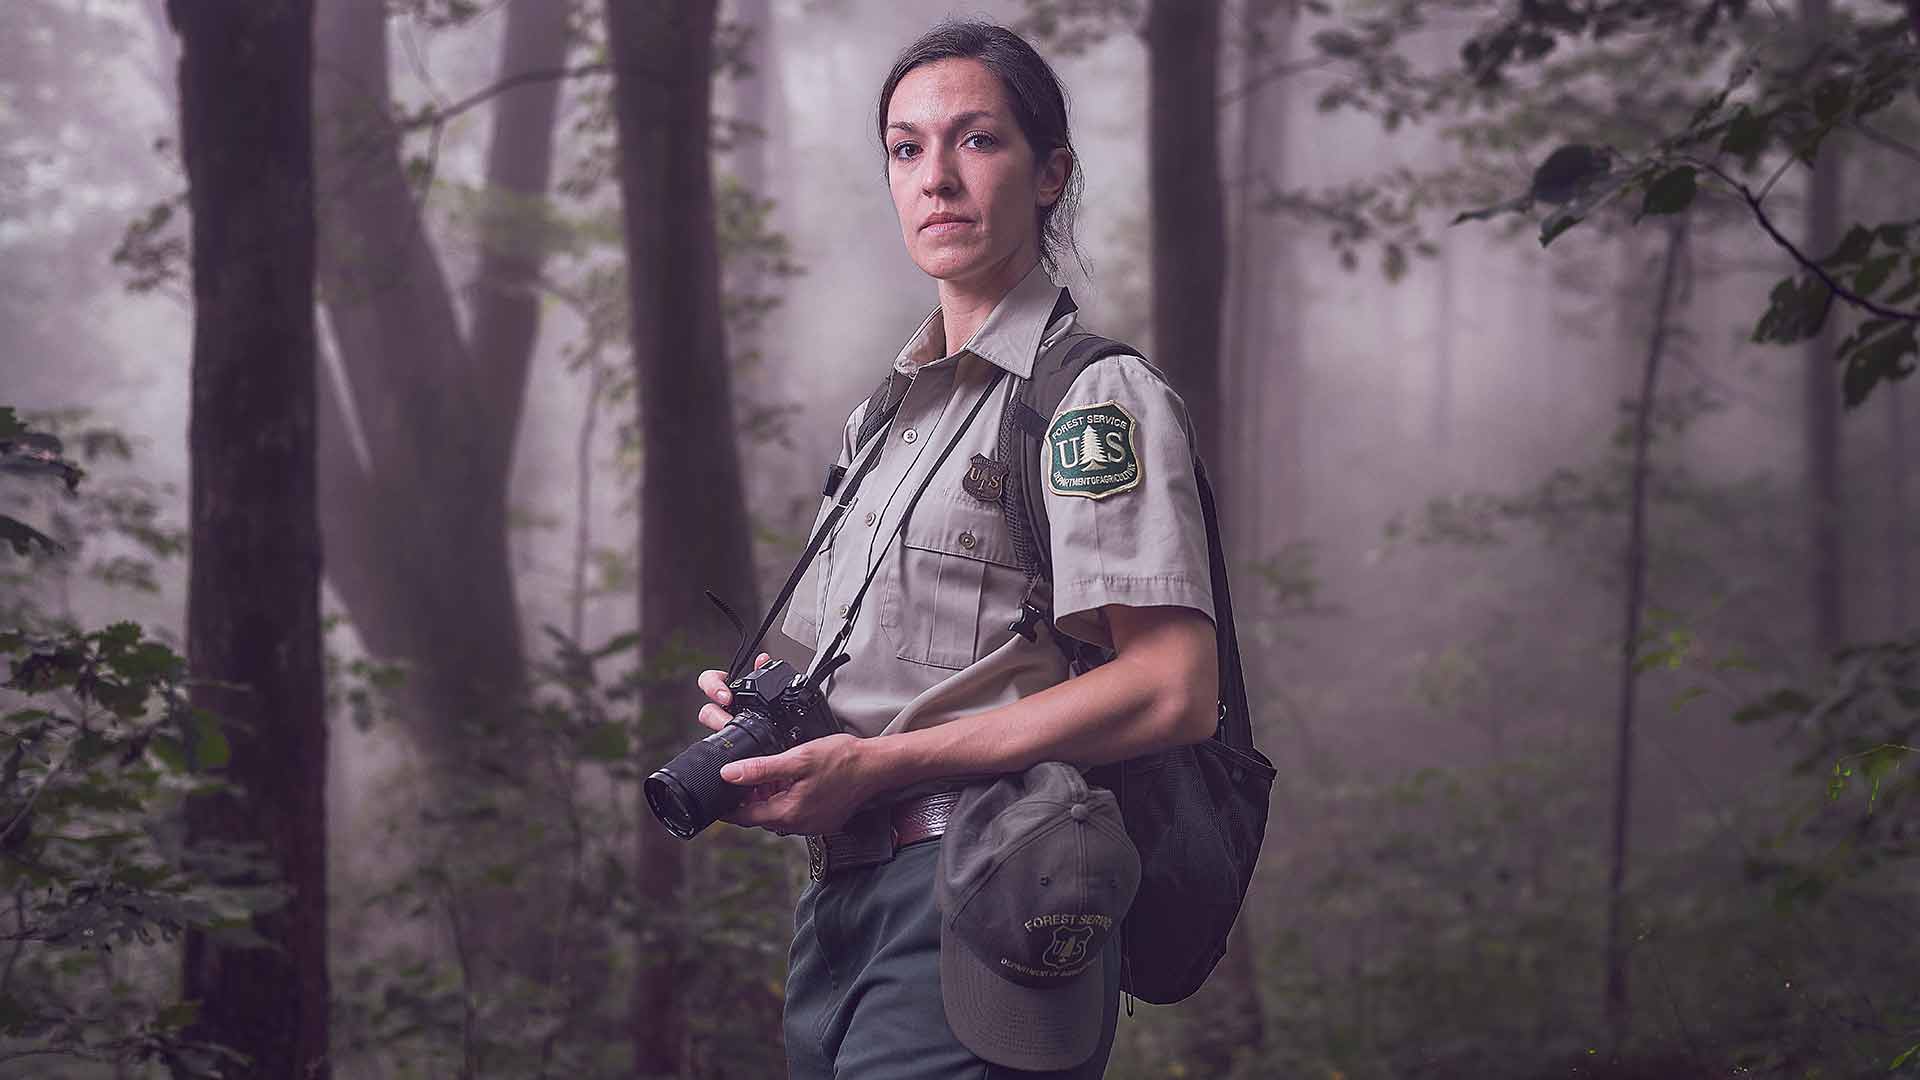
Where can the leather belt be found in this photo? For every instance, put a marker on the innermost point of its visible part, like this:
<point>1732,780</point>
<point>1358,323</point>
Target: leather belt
<point>872,836</point>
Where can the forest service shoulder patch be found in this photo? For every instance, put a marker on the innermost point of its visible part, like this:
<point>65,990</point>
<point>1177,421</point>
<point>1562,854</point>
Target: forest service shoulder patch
<point>1090,452</point>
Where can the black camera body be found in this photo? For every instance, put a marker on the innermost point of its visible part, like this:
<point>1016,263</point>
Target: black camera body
<point>774,709</point>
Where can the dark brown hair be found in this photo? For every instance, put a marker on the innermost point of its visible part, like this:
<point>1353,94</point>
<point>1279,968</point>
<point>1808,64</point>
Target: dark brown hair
<point>1034,93</point>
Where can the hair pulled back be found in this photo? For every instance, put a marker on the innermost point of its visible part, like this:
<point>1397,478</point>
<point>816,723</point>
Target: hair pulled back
<point>1034,93</point>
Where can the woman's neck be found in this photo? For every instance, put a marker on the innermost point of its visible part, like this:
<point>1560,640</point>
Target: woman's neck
<point>964,305</point>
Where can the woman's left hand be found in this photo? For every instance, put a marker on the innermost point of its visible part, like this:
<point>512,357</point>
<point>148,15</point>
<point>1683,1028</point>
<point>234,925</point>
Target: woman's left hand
<point>821,782</point>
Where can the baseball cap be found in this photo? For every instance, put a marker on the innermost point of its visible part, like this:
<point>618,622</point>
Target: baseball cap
<point>1036,873</point>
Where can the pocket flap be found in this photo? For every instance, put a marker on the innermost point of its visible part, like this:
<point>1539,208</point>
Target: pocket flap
<point>955,523</point>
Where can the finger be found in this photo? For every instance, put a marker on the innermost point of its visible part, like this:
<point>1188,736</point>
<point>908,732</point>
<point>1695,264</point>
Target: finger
<point>766,770</point>
<point>764,657</point>
<point>714,685</point>
<point>714,717</point>
<point>771,813</point>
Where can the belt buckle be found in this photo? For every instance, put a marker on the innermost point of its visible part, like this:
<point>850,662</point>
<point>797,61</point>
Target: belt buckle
<point>816,858</point>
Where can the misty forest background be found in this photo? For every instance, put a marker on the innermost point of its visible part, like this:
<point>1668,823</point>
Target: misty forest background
<point>1550,353</point>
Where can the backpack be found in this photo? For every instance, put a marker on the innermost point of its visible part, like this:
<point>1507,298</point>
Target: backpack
<point>1197,814</point>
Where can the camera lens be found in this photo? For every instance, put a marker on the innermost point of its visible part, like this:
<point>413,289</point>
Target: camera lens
<point>687,793</point>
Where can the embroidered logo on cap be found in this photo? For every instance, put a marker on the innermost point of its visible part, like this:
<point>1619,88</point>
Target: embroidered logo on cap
<point>1090,452</point>
<point>1069,946</point>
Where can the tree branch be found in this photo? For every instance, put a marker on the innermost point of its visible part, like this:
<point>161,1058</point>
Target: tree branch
<point>435,118</point>
<point>1834,288</point>
<point>1883,139</point>
<point>1281,71</point>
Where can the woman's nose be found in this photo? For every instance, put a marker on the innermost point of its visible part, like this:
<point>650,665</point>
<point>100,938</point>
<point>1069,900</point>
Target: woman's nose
<point>938,175</point>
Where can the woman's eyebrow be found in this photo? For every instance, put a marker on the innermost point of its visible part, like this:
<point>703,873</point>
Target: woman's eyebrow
<point>963,118</point>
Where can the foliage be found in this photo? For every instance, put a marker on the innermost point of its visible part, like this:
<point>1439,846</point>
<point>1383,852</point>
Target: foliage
<point>1444,923</point>
<point>100,746</point>
<point>415,997</point>
<point>1649,106</point>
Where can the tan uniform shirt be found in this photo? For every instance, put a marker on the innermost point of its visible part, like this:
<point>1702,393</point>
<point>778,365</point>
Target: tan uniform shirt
<point>931,641</point>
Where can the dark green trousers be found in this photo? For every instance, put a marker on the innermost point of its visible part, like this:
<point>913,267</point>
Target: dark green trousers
<point>863,982</point>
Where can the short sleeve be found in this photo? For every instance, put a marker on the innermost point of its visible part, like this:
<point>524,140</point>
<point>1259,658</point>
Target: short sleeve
<point>802,623</point>
<point>1122,501</point>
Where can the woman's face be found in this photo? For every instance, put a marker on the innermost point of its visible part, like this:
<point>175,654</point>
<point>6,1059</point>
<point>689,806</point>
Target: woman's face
<point>954,149</point>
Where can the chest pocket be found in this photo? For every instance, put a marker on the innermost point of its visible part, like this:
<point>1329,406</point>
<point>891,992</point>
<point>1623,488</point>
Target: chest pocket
<point>955,584</point>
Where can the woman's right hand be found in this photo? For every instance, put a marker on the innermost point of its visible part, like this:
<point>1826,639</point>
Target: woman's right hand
<point>714,716</point>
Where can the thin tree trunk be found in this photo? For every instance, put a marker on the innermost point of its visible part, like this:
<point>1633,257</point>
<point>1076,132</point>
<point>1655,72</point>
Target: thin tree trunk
<point>1826,497</point>
<point>693,525</point>
<point>253,603</point>
<point>1617,1001</point>
<point>1187,206</point>
<point>1269,483</point>
<point>1189,278</point>
<point>1899,536</point>
<point>1440,418</point>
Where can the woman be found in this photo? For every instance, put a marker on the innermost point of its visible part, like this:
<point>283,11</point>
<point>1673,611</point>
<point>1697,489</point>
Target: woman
<point>941,688</point>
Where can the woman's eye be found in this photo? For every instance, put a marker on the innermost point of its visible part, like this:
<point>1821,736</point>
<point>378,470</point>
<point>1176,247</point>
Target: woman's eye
<point>978,135</point>
<point>899,150</point>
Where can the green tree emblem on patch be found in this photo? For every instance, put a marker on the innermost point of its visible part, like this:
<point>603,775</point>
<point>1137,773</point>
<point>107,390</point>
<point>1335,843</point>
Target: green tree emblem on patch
<point>1090,452</point>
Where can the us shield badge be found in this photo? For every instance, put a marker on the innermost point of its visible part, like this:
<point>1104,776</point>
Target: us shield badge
<point>1090,452</point>
<point>985,479</point>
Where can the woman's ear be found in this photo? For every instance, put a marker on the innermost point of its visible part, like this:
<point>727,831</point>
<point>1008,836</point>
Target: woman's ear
<point>1054,174</point>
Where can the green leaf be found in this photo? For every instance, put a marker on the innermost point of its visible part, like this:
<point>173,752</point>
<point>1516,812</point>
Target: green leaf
<point>617,643</point>
<point>606,742</point>
<point>1393,262</point>
<point>1797,309</point>
<point>23,537</point>
<point>1852,248</point>
<point>1911,1053</point>
<point>170,752</point>
<point>1487,213</point>
<point>1886,358</point>
<point>1337,43</point>
<point>1830,98</point>
<point>1873,273</point>
<point>210,748</point>
<point>178,1015</point>
<point>1671,192</point>
<point>10,424</point>
<point>1746,134</point>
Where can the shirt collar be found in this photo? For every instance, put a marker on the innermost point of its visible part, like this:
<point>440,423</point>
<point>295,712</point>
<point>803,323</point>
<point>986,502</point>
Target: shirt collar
<point>1010,338</point>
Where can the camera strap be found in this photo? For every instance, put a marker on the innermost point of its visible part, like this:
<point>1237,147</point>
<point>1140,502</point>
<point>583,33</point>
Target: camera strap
<point>829,658</point>
<point>880,414</point>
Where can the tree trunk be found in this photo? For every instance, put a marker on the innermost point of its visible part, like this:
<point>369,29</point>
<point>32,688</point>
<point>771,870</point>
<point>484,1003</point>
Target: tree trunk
<point>693,523</point>
<point>1186,205</point>
<point>419,540</point>
<point>1899,536</point>
<point>1268,478</point>
<point>1617,1002</point>
<point>253,603</point>
<point>1189,278</point>
<point>1440,416</point>
<point>1826,498</point>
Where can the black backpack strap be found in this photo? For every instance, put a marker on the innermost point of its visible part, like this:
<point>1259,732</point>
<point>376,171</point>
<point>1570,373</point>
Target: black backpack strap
<point>1023,432</point>
<point>881,405</point>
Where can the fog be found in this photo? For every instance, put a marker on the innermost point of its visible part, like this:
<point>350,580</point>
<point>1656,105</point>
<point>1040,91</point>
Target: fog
<point>1431,620</point>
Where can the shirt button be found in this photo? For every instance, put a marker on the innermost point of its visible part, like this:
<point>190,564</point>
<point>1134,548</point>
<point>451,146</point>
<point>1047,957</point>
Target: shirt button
<point>870,519</point>
<point>909,435</point>
<point>966,540</point>
<point>843,611</point>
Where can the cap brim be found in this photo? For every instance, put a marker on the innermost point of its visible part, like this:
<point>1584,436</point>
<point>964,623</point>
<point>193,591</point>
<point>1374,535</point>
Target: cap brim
<point>1017,1026</point>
